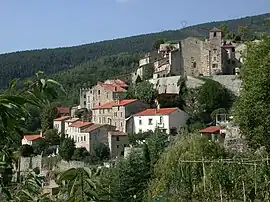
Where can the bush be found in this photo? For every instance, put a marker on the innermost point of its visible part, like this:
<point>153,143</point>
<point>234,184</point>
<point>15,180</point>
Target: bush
<point>67,148</point>
<point>80,154</point>
<point>102,152</point>
<point>26,150</point>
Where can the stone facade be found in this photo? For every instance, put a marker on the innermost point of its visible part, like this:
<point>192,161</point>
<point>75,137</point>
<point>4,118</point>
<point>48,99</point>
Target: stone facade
<point>117,143</point>
<point>117,113</point>
<point>102,93</point>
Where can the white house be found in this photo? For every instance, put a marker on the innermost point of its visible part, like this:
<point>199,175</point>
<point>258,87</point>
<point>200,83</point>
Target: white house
<point>59,123</point>
<point>169,120</point>
<point>68,122</point>
<point>31,139</point>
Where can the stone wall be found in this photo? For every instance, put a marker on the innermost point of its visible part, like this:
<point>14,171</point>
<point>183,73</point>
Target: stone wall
<point>169,84</point>
<point>27,163</point>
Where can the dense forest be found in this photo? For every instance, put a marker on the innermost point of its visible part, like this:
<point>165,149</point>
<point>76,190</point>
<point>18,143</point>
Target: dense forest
<point>85,64</point>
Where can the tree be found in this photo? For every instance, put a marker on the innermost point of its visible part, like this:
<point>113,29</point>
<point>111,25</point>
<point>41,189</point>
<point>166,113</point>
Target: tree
<point>26,150</point>
<point>145,91</point>
<point>102,152</point>
<point>253,106</point>
<point>183,90</point>
<point>80,154</point>
<point>66,149</point>
<point>48,114</point>
<point>212,95</point>
<point>242,31</point>
<point>52,137</point>
<point>225,30</point>
<point>148,71</point>
<point>80,184</point>
<point>40,146</point>
<point>157,43</point>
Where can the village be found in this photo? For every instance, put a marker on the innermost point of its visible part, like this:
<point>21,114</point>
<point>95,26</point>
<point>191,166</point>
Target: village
<point>112,117</point>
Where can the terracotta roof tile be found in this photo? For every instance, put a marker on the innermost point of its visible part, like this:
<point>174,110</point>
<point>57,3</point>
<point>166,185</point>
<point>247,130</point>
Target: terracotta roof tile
<point>117,133</point>
<point>114,104</point>
<point>63,110</point>
<point>62,118</point>
<point>118,82</point>
<point>72,120</point>
<point>80,124</point>
<point>92,128</point>
<point>211,129</point>
<point>112,87</point>
<point>32,137</point>
<point>162,111</point>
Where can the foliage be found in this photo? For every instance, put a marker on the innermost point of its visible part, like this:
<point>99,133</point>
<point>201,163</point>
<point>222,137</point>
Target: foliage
<point>79,184</point>
<point>145,91</point>
<point>134,138</point>
<point>252,108</point>
<point>67,148</point>
<point>40,146</point>
<point>148,71</point>
<point>48,114</point>
<point>127,181</point>
<point>52,137</point>
<point>212,95</point>
<point>102,152</point>
<point>158,43</point>
<point>26,150</point>
<point>80,154</point>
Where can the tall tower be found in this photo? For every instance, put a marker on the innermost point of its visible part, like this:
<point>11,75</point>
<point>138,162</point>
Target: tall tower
<point>215,36</point>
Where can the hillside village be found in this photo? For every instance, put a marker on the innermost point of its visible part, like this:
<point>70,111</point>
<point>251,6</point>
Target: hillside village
<point>188,123</point>
<point>112,117</point>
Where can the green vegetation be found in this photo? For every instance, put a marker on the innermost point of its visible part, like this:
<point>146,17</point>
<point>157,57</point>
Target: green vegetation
<point>67,148</point>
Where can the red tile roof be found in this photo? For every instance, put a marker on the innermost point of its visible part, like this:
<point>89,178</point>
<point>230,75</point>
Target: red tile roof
<point>114,104</point>
<point>211,129</point>
<point>62,118</point>
<point>32,137</point>
<point>72,120</point>
<point>92,128</point>
<point>162,111</point>
<point>80,124</point>
<point>117,82</point>
<point>63,110</point>
<point>112,87</point>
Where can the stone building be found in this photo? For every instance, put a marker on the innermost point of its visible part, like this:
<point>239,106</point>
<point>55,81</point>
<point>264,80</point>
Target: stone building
<point>117,142</point>
<point>118,113</point>
<point>102,93</point>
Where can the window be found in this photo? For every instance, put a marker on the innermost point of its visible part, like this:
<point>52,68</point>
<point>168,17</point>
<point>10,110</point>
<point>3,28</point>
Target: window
<point>107,95</point>
<point>118,108</point>
<point>215,58</point>
<point>115,114</point>
<point>84,138</point>
<point>117,138</point>
<point>194,64</point>
<point>125,145</point>
<point>84,103</point>
<point>121,124</point>
<point>233,50</point>
<point>103,119</point>
<point>117,146</point>
<point>214,66</point>
<point>99,119</point>
<point>90,91</point>
<point>81,138</point>
<point>140,122</point>
<point>173,131</point>
<point>84,96</point>
<point>150,121</point>
<point>215,34</point>
<point>229,61</point>
<point>99,92</point>
<point>233,62</point>
<point>160,119</point>
<point>121,114</point>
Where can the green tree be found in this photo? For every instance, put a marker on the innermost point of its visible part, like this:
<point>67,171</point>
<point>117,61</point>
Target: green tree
<point>225,30</point>
<point>40,146</point>
<point>212,95</point>
<point>253,107</point>
<point>48,114</point>
<point>67,148</point>
<point>52,137</point>
<point>80,184</point>
<point>158,43</point>
<point>145,91</point>
<point>102,152</point>
<point>26,150</point>
<point>80,154</point>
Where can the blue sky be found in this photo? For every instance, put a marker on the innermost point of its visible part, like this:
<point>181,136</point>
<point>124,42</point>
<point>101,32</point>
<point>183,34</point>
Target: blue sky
<point>35,24</point>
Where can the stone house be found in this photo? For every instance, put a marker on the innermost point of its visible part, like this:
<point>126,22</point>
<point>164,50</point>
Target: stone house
<point>93,135</point>
<point>102,93</point>
<point>117,142</point>
<point>169,120</point>
<point>118,113</point>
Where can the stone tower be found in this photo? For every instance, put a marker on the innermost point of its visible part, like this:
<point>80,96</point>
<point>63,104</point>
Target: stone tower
<point>215,36</point>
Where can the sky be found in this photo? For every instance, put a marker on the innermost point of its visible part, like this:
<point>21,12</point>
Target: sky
<point>36,24</point>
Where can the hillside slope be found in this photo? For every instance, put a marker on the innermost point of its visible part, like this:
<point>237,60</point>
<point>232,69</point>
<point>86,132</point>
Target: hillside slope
<point>24,64</point>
